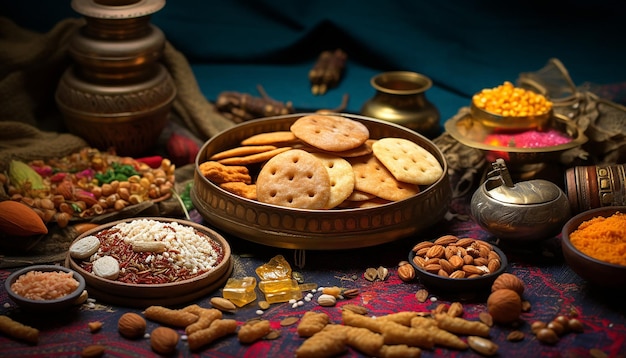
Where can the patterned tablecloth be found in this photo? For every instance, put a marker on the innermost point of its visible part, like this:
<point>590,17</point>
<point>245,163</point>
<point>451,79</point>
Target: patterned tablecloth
<point>551,288</point>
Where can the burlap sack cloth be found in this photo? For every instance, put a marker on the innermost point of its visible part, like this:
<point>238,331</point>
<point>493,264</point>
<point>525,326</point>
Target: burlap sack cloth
<point>31,127</point>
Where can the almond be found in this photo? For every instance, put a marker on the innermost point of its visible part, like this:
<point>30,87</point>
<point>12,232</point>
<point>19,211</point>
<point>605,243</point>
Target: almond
<point>435,251</point>
<point>223,304</point>
<point>481,261</point>
<point>446,240</point>
<point>433,268</point>
<point>422,245</point>
<point>456,262</point>
<point>17,219</point>
<point>163,340</point>
<point>355,308</point>
<point>472,270</point>
<point>406,272</point>
<point>419,261</point>
<point>446,266</point>
<point>493,265</point>
<point>131,325</point>
<point>421,295</point>
<point>92,351</point>
<point>458,274</point>
<point>326,300</point>
<point>464,242</point>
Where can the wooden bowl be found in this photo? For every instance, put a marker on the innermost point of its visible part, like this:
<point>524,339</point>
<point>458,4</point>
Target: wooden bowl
<point>317,229</point>
<point>597,272</point>
<point>143,295</point>
<point>53,305</point>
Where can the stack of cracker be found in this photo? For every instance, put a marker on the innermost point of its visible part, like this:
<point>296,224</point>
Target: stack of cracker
<point>323,162</point>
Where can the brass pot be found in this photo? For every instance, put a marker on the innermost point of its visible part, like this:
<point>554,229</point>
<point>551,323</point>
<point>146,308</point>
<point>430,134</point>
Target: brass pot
<point>400,98</point>
<point>117,95</point>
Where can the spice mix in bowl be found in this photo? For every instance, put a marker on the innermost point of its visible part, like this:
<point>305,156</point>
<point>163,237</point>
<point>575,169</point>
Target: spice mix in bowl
<point>594,246</point>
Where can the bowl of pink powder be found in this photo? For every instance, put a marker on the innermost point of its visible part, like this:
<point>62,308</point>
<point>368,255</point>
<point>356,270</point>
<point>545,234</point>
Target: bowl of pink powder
<point>48,288</point>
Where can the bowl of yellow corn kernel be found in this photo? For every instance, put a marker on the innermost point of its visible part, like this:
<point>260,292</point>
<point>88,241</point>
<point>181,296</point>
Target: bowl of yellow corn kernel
<point>508,107</point>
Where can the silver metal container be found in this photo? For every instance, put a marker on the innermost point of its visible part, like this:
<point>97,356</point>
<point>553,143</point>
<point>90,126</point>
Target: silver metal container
<point>526,211</point>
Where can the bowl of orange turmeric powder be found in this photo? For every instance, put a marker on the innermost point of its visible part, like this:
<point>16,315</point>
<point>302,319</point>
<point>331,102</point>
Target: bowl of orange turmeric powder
<point>594,246</point>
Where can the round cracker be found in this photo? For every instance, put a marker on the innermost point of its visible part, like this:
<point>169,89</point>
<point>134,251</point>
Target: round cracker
<point>407,161</point>
<point>294,179</point>
<point>330,133</point>
<point>341,178</point>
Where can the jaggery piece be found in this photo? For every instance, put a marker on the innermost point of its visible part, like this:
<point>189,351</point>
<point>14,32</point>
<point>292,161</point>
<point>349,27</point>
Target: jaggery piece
<point>311,323</point>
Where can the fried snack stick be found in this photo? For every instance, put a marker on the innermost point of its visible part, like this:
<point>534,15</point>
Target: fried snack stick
<point>460,325</point>
<point>440,336</point>
<point>403,318</point>
<point>170,317</point>
<point>253,331</point>
<point>393,333</point>
<point>399,351</point>
<point>350,318</point>
<point>206,316</point>
<point>18,330</point>
<point>311,323</point>
<point>328,342</point>
<point>361,339</point>
<point>218,329</point>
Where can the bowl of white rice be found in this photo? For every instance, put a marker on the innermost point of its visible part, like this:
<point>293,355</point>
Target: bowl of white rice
<point>145,261</point>
<point>45,288</point>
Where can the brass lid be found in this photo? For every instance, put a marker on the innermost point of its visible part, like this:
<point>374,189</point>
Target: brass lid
<point>117,9</point>
<point>537,191</point>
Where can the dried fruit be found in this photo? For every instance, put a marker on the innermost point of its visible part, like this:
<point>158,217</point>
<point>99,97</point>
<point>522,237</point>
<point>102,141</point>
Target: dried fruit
<point>92,351</point>
<point>131,325</point>
<point>17,219</point>
<point>350,293</point>
<point>163,340</point>
<point>264,305</point>
<point>421,295</point>
<point>547,336</point>
<point>223,304</point>
<point>355,308</point>
<point>94,326</point>
<point>486,318</point>
<point>24,177</point>
<point>505,306</point>
<point>288,321</point>
<point>482,345</point>
<point>510,281</point>
<point>575,325</point>
<point>382,273</point>
<point>371,274</point>
<point>515,336</point>
<point>406,272</point>
<point>333,291</point>
<point>326,300</point>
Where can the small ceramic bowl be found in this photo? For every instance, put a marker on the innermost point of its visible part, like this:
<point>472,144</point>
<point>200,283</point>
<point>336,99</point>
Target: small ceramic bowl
<point>459,285</point>
<point>53,305</point>
<point>596,272</point>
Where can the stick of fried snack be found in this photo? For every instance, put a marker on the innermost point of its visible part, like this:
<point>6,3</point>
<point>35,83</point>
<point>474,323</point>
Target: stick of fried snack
<point>350,318</point>
<point>328,342</point>
<point>218,329</point>
<point>311,323</point>
<point>363,340</point>
<point>395,333</point>
<point>403,318</point>
<point>440,336</point>
<point>18,330</point>
<point>460,325</point>
<point>253,331</point>
<point>399,351</point>
<point>206,316</point>
<point>170,317</point>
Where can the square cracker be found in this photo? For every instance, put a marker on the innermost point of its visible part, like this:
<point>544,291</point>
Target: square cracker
<point>372,177</point>
<point>294,179</point>
<point>407,161</point>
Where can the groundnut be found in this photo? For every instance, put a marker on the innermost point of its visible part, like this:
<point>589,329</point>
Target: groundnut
<point>62,219</point>
<point>124,193</point>
<point>46,204</point>
<point>96,191</point>
<point>111,199</point>
<point>66,208</point>
<point>120,204</point>
<point>135,199</point>
<point>134,179</point>
<point>107,189</point>
<point>97,209</point>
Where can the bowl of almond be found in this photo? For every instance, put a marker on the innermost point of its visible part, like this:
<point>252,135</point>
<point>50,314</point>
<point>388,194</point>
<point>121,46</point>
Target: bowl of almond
<point>450,263</point>
<point>320,181</point>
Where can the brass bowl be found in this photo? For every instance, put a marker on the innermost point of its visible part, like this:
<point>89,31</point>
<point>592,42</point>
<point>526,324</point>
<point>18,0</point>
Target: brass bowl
<point>317,229</point>
<point>144,295</point>
<point>598,273</point>
<point>472,133</point>
<point>494,120</point>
